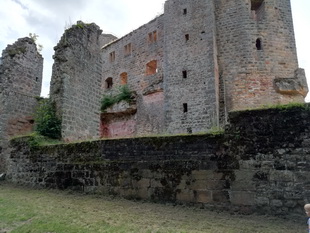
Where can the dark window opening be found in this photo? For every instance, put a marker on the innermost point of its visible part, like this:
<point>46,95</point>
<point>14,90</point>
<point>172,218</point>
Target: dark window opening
<point>187,37</point>
<point>256,4</point>
<point>184,72</point>
<point>203,32</point>
<point>185,108</point>
<point>37,79</point>
<point>109,83</point>
<point>184,11</point>
<point>258,44</point>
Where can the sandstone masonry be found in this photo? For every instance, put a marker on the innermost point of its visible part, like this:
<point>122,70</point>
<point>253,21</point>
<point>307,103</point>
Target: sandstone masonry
<point>20,85</point>
<point>188,68</point>
<point>260,164</point>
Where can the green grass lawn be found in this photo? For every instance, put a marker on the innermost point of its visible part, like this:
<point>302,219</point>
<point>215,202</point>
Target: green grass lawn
<point>42,211</point>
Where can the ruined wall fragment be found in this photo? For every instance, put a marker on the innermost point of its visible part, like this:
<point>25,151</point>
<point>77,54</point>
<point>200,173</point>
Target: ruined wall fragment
<point>20,84</point>
<point>75,84</point>
<point>135,60</point>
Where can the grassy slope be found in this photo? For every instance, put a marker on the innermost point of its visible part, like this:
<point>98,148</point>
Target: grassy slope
<point>25,210</point>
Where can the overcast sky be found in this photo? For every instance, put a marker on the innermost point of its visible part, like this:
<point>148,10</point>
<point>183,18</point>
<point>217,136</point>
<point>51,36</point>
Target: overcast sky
<point>49,18</point>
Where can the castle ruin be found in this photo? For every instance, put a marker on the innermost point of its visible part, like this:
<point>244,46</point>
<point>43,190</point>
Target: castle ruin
<point>188,68</point>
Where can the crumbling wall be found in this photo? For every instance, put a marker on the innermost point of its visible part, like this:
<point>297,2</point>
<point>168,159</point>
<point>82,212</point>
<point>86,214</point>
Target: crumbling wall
<point>136,60</point>
<point>20,84</point>
<point>257,54</point>
<point>76,81</point>
<point>260,164</point>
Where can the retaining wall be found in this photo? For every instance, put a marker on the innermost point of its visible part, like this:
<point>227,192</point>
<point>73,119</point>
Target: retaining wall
<point>260,164</point>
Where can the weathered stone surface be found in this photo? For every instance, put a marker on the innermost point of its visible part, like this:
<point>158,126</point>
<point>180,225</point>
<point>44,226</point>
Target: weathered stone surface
<point>202,169</point>
<point>76,81</point>
<point>20,84</point>
<point>189,67</point>
<point>293,86</point>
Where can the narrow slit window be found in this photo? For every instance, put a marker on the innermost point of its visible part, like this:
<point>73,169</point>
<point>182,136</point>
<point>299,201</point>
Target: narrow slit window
<point>184,73</point>
<point>152,37</point>
<point>124,78</point>
<point>185,108</point>
<point>112,56</point>
<point>259,44</point>
<point>187,37</point>
<point>184,11</point>
<point>127,49</point>
<point>151,67</point>
<point>109,83</point>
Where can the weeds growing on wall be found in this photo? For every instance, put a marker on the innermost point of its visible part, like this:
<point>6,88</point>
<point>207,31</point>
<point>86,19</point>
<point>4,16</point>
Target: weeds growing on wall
<point>47,123</point>
<point>124,95</point>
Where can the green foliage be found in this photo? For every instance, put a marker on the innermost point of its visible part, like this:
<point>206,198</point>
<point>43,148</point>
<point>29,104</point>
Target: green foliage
<point>13,52</point>
<point>38,210</point>
<point>124,95</point>
<point>107,101</point>
<point>80,25</point>
<point>36,139</point>
<point>34,38</point>
<point>47,123</point>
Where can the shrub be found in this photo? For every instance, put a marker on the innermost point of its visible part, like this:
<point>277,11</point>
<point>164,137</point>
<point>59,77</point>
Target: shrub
<point>107,101</point>
<point>124,95</point>
<point>47,123</point>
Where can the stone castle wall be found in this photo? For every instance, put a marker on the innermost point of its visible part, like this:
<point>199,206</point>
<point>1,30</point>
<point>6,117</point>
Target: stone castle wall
<point>188,68</point>
<point>257,48</point>
<point>260,164</point>
<point>132,54</point>
<point>76,81</point>
<point>190,79</point>
<point>20,84</point>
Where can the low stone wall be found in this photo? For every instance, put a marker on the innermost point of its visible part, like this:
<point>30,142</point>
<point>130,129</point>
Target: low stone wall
<point>260,164</point>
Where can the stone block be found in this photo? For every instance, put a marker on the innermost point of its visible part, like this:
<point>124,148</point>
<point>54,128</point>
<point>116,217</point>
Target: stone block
<point>220,196</point>
<point>203,196</point>
<point>198,184</point>
<point>202,174</point>
<point>243,180</point>
<point>185,195</point>
<point>282,176</point>
<point>242,198</point>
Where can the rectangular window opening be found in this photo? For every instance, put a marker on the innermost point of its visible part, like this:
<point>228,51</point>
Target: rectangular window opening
<point>184,73</point>
<point>184,11</point>
<point>112,56</point>
<point>187,37</point>
<point>151,67</point>
<point>152,37</point>
<point>127,49</point>
<point>185,108</point>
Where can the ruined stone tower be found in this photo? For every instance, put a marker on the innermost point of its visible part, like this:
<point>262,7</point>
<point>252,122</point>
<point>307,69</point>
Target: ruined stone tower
<point>76,81</point>
<point>20,84</point>
<point>257,54</point>
<point>188,68</point>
